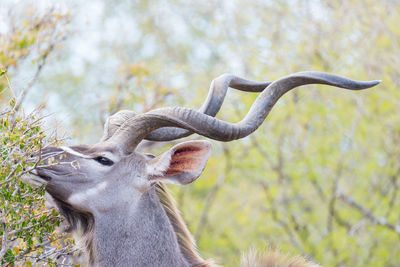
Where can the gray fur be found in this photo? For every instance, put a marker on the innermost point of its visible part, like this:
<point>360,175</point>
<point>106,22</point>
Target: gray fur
<point>115,209</point>
<point>137,235</point>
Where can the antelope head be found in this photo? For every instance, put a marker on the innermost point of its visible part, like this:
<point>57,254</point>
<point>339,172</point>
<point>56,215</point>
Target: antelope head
<point>97,178</point>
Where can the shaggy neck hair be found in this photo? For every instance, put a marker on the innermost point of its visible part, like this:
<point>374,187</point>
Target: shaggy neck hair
<point>186,241</point>
<point>83,223</point>
<point>80,223</point>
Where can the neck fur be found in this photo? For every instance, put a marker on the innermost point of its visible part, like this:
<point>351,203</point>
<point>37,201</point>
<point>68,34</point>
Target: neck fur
<point>186,242</point>
<point>136,236</point>
<point>153,232</point>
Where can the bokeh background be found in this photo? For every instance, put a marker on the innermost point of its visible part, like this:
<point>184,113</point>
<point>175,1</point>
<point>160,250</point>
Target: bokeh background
<point>319,178</point>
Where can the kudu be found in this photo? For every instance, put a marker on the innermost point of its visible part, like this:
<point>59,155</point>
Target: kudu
<point>115,196</point>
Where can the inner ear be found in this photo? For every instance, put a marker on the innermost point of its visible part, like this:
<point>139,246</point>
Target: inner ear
<point>181,164</point>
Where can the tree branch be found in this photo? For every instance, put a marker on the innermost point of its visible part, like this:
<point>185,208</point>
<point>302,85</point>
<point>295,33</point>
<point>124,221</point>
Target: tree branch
<point>368,214</point>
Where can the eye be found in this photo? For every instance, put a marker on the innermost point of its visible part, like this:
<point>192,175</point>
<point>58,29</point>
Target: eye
<point>104,161</point>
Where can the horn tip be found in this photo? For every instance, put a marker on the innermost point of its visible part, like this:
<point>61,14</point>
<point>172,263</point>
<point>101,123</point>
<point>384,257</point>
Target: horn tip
<point>370,84</point>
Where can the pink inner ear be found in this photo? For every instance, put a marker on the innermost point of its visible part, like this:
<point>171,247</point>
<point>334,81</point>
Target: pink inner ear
<point>186,149</point>
<point>186,159</point>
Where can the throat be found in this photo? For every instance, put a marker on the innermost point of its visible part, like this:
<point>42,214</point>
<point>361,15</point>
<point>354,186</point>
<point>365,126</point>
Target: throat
<point>139,235</point>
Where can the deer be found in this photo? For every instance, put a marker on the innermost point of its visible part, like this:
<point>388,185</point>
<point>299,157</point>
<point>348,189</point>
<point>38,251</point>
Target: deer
<point>115,197</point>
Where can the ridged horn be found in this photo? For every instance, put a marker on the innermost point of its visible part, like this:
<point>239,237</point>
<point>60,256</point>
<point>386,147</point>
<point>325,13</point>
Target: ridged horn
<point>134,130</point>
<point>216,95</point>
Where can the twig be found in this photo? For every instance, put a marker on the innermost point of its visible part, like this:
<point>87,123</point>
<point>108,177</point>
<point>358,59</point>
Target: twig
<point>332,200</point>
<point>367,213</point>
<point>282,223</point>
<point>4,240</point>
<point>29,250</point>
<point>394,179</point>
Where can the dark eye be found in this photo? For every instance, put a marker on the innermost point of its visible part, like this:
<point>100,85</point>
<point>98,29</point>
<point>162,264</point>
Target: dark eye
<point>104,161</point>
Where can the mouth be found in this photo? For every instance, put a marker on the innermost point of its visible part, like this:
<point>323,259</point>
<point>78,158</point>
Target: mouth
<point>36,179</point>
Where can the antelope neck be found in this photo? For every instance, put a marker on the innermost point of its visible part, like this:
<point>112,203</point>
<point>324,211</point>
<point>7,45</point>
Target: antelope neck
<point>138,235</point>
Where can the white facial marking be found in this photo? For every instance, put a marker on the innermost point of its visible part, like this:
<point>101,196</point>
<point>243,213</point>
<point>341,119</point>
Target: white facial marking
<point>76,153</point>
<point>73,152</point>
<point>82,196</point>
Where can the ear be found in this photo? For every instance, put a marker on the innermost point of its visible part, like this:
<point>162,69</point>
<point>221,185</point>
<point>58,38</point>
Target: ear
<point>182,164</point>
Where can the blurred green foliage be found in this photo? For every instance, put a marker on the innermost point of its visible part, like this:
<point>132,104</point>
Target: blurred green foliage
<point>26,223</point>
<point>320,178</point>
<point>28,228</point>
